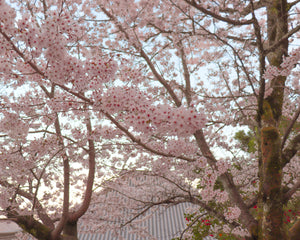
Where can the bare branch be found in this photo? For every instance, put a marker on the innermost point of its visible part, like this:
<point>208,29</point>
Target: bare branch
<point>186,74</point>
<point>291,4</point>
<point>294,231</point>
<point>90,179</point>
<point>290,150</point>
<point>216,16</point>
<point>262,64</point>
<point>253,6</point>
<point>291,191</point>
<point>231,93</point>
<point>66,193</point>
<point>282,40</point>
<point>290,127</point>
<point>161,79</point>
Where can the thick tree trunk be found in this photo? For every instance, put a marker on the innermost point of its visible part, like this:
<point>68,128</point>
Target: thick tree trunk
<point>41,231</point>
<point>34,227</point>
<point>272,212</point>
<point>70,231</point>
<point>271,199</point>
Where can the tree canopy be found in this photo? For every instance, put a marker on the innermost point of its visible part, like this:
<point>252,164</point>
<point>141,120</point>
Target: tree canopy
<point>160,102</point>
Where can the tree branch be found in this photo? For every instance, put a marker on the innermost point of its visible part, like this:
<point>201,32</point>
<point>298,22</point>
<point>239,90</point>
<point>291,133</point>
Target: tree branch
<point>66,169</point>
<point>211,211</point>
<point>294,231</point>
<point>290,127</point>
<point>281,40</point>
<point>253,6</point>
<point>291,4</point>
<point>291,149</point>
<point>190,225</point>
<point>161,79</point>
<point>147,59</point>
<point>186,74</point>
<point>262,64</point>
<point>40,210</point>
<point>216,16</point>
<point>32,226</point>
<point>246,218</point>
<point>90,179</point>
<point>291,191</point>
<point>140,143</point>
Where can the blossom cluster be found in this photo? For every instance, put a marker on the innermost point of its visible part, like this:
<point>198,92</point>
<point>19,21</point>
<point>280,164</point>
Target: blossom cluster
<point>232,213</point>
<point>222,166</point>
<point>137,109</point>
<point>286,66</point>
<point>78,66</point>
<point>7,16</point>
<point>13,126</point>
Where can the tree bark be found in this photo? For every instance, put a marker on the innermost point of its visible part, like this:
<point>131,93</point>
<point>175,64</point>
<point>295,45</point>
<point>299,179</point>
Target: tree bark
<point>30,225</point>
<point>70,231</point>
<point>272,212</point>
<point>295,231</point>
<point>271,197</point>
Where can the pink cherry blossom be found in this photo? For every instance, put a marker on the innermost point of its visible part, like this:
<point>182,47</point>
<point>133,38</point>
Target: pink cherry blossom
<point>113,109</point>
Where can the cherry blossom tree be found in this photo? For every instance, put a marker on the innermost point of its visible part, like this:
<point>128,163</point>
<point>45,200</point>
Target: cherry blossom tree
<point>114,104</point>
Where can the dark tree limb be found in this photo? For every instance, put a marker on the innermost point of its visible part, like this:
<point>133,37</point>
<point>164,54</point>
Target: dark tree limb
<point>291,150</point>
<point>217,16</point>
<point>31,226</point>
<point>295,231</point>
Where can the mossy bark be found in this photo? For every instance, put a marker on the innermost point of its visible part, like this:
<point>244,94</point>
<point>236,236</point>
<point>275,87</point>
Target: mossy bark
<point>271,226</point>
<point>272,212</point>
<point>34,227</point>
<point>41,231</point>
<point>70,231</point>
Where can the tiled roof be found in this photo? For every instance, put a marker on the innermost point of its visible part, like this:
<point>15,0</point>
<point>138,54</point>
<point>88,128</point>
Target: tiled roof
<point>161,222</point>
<point>164,224</point>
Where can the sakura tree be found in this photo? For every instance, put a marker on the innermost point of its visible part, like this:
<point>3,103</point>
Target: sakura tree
<point>152,103</point>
